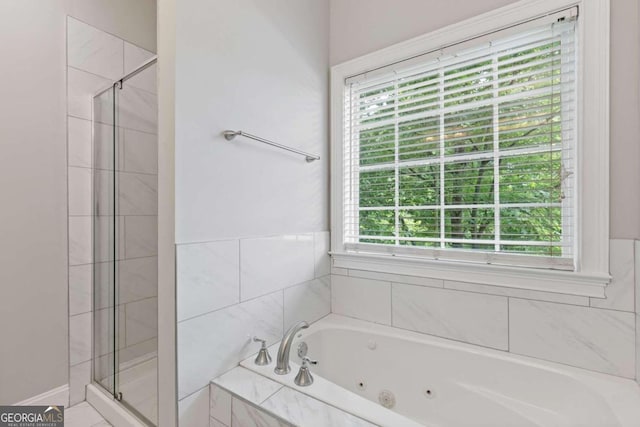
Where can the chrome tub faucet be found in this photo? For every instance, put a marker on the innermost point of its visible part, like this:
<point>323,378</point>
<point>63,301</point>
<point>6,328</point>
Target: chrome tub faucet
<point>282,361</point>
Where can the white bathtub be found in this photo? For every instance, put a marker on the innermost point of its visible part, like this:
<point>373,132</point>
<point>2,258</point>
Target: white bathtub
<point>442,383</point>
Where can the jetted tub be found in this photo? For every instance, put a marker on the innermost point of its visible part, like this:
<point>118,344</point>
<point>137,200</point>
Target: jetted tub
<point>429,381</point>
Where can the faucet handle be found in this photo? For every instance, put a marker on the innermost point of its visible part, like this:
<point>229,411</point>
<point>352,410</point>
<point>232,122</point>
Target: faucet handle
<point>306,362</point>
<point>263,357</point>
<point>304,377</point>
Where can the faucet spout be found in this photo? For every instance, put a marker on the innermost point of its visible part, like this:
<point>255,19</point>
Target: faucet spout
<point>282,364</point>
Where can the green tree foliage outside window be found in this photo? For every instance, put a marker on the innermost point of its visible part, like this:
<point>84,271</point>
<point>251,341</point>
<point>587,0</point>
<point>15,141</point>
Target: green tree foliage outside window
<point>468,156</point>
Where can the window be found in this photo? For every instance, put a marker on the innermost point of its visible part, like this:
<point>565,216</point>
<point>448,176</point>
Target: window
<point>469,152</point>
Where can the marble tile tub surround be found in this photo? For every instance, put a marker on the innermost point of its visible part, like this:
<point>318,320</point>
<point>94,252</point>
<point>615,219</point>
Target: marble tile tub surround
<point>94,60</point>
<point>596,334</point>
<point>243,398</point>
<point>232,290</point>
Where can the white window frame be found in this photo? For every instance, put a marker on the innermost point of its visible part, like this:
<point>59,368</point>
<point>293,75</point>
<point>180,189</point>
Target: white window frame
<point>591,274</point>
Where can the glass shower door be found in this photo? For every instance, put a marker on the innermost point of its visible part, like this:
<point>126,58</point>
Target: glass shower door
<point>137,290</point>
<point>105,300</point>
<point>125,154</point>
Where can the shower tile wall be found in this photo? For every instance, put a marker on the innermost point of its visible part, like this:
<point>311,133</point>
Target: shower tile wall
<point>597,334</point>
<point>94,60</point>
<point>232,290</point>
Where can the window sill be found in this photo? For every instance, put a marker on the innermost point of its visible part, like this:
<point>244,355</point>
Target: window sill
<point>563,282</point>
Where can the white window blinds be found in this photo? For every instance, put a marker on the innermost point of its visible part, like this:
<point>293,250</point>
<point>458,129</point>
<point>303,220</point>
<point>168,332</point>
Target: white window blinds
<point>467,154</point>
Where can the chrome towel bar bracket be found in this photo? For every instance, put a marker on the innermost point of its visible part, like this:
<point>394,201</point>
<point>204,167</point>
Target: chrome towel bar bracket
<point>230,134</point>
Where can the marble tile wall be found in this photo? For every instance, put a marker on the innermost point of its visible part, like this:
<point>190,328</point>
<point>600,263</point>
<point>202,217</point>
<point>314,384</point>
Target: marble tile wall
<point>446,313</point>
<point>597,334</point>
<point>597,339</point>
<point>94,60</point>
<point>232,290</point>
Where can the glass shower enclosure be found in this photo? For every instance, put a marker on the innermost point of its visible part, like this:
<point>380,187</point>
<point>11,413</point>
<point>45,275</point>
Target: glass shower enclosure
<point>125,212</point>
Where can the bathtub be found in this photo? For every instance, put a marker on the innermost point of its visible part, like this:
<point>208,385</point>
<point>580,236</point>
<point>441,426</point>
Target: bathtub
<point>399,378</point>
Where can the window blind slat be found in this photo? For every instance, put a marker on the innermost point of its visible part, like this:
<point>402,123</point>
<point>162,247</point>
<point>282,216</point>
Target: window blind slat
<point>431,101</point>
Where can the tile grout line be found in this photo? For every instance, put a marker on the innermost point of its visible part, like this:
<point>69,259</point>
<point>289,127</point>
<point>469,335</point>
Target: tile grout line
<point>269,413</point>
<point>250,299</point>
<point>112,81</point>
<point>272,394</point>
<point>321,402</point>
<point>211,384</point>
<point>73,67</point>
<point>146,132</point>
<point>255,237</point>
<point>240,283</point>
<point>508,350</point>
<point>108,33</point>
<point>196,391</point>
<point>502,296</point>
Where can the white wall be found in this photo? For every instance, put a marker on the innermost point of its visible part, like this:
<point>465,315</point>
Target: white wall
<point>33,182</point>
<point>251,220</point>
<point>33,225</point>
<point>362,26</point>
<point>625,120</point>
<point>263,68</point>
